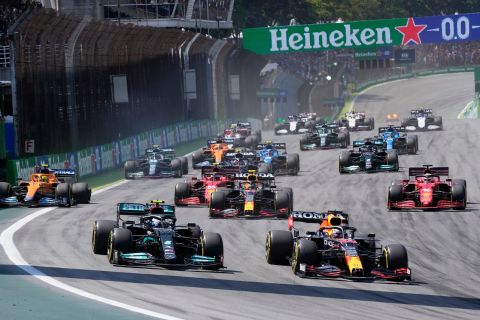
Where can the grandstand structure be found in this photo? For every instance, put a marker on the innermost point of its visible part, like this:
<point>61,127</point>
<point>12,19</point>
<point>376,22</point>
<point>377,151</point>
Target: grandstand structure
<point>188,14</point>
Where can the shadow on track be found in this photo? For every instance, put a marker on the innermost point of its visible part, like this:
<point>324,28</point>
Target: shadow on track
<point>320,291</point>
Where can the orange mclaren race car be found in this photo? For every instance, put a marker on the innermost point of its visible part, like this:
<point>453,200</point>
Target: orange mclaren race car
<point>44,189</point>
<point>212,153</point>
<point>334,250</point>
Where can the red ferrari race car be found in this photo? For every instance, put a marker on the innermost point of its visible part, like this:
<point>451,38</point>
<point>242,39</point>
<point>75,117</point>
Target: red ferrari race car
<point>197,191</point>
<point>426,190</point>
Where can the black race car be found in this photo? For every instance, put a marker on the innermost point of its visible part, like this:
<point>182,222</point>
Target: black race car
<point>422,120</point>
<point>334,249</point>
<point>325,136</point>
<point>147,234</point>
<point>156,163</point>
<point>368,156</point>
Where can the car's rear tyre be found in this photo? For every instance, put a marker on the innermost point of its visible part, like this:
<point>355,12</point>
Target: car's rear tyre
<point>264,168</point>
<point>293,163</point>
<point>459,193</point>
<point>303,142</point>
<point>250,142</point>
<point>412,144</point>
<point>289,191</point>
<point>63,193</point>
<point>5,190</point>
<point>182,191</point>
<point>344,160</point>
<point>197,157</point>
<point>282,201</point>
<point>120,241</point>
<point>278,247</point>
<point>343,140</point>
<point>81,192</point>
<point>212,246</point>
<point>129,167</point>
<point>395,256</point>
<point>100,235</point>
<point>438,122</point>
<point>395,194</point>
<point>392,159</point>
<point>177,167</point>
<point>184,161</point>
<point>370,123</point>
<point>304,251</point>
<point>217,200</point>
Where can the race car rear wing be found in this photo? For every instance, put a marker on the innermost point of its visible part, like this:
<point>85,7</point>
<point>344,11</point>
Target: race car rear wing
<point>276,145</point>
<point>139,209</point>
<point>398,129</point>
<point>420,171</point>
<point>360,143</point>
<point>222,140</point>
<point>239,155</point>
<point>244,124</point>
<point>61,174</point>
<point>260,176</point>
<point>413,112</point>
<point>215,169</point>
<point>316,217</point>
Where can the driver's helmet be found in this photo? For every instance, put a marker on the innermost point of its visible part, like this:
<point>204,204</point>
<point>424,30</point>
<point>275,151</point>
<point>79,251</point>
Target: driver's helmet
<point>428,177</point>
<point>155,222</point>
<point>247,186</point>
<point>336,233</point>
<point>44,178</point>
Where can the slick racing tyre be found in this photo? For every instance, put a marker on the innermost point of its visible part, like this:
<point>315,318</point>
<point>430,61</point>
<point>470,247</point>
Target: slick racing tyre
<point>395,257</point>
<point>293,164</point>
<point>392,159</point>
<point>81,192</point>
<point>177,167</point>
<point>304,252</point>
<point>63,193</point>
<point>5,190</point>
<point>129,167</point>
<point>412,144</point>
<point>184,161</point>
<point>182,191</point>
<point>282,201</point>
<point>212,246</point>
<point>264,168</point>
<point>394,195</point>
<point>120,241</point>
<point>289,191</point>
<point>344,160</point>
<point>197,157</point>
<point>278,247</point>
<point>217,200</point>
<point>343,140</point>
<point>303,142</point>
<point>459,193</point>
<point>100,235</point>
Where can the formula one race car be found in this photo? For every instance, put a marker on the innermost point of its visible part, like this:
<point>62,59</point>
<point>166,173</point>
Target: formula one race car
<point>297,124</point>
<point>156,163</point>
<point>368,157</point>
<point>197,191</point>
<point>355,121</point>
<point>394,138</point>
<point>147,234</point>
<point>422,120</point>
<point>212,153</point>
<point>326,136</point>
<point>425,190</point>
<point>335,250</point>
<point>273,158</point>
<point>242,135</point>
<point>46,188</point>
<point>253,196</point>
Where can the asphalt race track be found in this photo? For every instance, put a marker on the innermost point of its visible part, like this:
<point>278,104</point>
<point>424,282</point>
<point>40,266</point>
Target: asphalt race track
<point>443,246</point>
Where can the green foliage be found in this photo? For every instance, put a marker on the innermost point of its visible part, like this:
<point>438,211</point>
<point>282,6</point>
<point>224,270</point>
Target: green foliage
<point>262,13</point>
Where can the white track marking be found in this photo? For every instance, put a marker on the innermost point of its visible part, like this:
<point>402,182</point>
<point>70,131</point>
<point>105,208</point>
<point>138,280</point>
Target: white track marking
<point>6,240</point>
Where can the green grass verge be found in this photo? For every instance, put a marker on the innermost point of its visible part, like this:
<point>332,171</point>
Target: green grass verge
<point>111,176</point>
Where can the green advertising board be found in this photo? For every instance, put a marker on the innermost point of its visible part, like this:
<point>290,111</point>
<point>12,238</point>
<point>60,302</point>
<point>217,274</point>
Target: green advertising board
<point>362,34</point>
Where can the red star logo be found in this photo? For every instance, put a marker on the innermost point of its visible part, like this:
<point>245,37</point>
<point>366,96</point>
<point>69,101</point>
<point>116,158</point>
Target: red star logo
<point>411,32</point>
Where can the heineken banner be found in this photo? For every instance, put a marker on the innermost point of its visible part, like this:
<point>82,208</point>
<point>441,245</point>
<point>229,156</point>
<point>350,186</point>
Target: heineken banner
<point>363,34</point>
